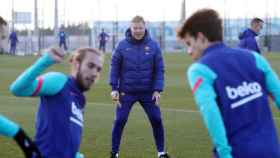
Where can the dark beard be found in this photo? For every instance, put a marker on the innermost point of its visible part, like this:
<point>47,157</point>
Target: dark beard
<point>79,81</point>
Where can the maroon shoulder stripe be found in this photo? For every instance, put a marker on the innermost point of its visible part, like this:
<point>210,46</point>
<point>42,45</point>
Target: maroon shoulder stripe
<point>197,84</point>
<point>39,86</point>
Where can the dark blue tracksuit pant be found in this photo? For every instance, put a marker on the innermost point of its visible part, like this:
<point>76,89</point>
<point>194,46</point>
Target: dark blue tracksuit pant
<point>102,46</point>
<point>63,43</point>
<point>13,48</point>
<point>152,111</point>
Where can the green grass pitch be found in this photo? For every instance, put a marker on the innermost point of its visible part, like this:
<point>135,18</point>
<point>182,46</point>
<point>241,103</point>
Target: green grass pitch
<point>186,136</point>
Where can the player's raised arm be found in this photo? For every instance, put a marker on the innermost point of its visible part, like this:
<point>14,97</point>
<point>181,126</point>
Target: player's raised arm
<point>30,83</point>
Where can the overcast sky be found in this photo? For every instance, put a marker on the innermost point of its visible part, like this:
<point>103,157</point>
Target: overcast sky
<point>74,11</point>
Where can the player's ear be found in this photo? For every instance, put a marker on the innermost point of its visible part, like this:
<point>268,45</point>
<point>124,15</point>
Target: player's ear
<point>73,61</point>
<point>202,37</point>
<point>77,64</point>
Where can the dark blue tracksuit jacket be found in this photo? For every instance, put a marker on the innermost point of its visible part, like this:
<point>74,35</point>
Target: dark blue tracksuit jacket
<point>248,40</point>
<point>137,66</point>
<point>137,70</point>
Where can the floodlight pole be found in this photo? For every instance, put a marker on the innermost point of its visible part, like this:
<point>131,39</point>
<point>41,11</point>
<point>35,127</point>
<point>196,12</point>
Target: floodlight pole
<point>36,26</point>
<point>13,15</point>
<point>55,18</point>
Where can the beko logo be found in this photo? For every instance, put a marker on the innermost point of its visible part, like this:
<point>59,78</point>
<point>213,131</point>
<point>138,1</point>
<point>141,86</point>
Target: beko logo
<point>246,92</point>
<point>77,116</point>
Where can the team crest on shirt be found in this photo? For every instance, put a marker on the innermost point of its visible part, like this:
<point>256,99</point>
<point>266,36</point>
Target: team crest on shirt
<point>147,49</point>
<point>73,94</point>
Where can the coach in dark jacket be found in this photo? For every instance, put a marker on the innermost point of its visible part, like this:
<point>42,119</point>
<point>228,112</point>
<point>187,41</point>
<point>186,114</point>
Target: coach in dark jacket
<point>137,75</point>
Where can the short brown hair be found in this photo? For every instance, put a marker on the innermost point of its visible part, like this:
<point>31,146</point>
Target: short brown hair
<point>138,19</point>
<point>80,54</point>
<point>256,20</point>
<point>2,21</point>
<point>206,21</point>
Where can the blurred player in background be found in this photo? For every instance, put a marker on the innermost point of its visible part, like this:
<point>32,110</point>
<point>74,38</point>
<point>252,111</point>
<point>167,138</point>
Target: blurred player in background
<point>62,39</point>
<point>103,38</point>
<point>248,37</point>
<point>13,39</point>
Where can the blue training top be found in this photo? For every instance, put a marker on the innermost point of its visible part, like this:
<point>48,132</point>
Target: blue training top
<point>59,122</point>
<point>62,36</point>
<point>103,38</point>
<point>231,90</point>
<point>137,66</point>
<point>13,38</point>
<point>248,40</point>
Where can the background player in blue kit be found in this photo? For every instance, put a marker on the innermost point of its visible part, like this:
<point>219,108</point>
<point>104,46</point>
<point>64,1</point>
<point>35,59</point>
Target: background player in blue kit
<point>248,37</point>
<point>137,75</point>
<point>103,38</point>
<point>11,129</point>
<point>231,88</point>
<point>62,39</point>
<point>13,39</point>
<point>59,122</point>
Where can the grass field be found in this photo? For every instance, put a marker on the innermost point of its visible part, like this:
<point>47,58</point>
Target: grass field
<point>186,137</point>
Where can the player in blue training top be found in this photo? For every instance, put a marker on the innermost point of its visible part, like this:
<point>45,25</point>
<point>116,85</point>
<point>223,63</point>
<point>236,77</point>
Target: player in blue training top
<point>103,38</point>
<point>13,39</point>
<point>11,129</point>
<point>59,123</point>
<point>62,39</point>
<point>248,37</point>
<point>231,89</point>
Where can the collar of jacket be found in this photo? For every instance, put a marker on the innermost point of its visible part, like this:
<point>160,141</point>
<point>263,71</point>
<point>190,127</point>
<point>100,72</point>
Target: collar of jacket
<point>248,33</point>
<point>214,46</point>
<point>253,32</point>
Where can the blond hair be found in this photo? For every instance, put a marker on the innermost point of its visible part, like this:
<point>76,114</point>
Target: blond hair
<point>80,54</point>
<point>138,19</point>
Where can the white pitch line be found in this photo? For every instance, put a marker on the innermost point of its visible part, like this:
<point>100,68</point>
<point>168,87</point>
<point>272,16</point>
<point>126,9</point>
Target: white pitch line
<point>107,104</point>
